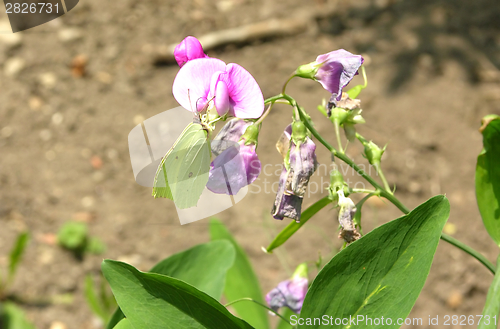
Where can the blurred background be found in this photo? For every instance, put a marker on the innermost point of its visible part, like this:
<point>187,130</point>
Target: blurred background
<point>72,89</point>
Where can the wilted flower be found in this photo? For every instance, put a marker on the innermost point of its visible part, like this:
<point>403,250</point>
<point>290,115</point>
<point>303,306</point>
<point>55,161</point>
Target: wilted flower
<point>236,164</point>
<point>346,213</point>
<point>347,114</point>
<point>290,293</point>
<point>300,164</point>
<point>229,88</point>
<point>333,70</point>
<point>189,48</point>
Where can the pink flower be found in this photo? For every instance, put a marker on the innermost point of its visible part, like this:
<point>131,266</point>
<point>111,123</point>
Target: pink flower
<point>190,48</point>
<point>209,81</point>
<point>290,293</point>
<point>236,164</point>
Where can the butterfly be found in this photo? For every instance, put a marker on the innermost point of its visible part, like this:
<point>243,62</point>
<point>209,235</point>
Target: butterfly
<point>183,172</point>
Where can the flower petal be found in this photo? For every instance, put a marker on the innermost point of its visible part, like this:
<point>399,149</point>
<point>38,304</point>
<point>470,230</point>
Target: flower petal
<point>189,48</point>
<point>245,95</point>
<point>192,83</point>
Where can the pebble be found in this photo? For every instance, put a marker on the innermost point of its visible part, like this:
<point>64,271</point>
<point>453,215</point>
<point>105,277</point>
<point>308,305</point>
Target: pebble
<point>48,80</point>
<point>450,228</point>
<point>138,119</point>
<point>79,66</point>
<point>88,201</point>
<point>84,216</point>
<point>35,103</point>
<point>6,132</point>
<point>45,135</point>
<point>13,66</point>
<point>7,38</point>
<point>104,77</point>
<point>455,299</point>
<point>96,162</point>
<point>70,34</point>
<point>58,325</point>
<point>57,118</point>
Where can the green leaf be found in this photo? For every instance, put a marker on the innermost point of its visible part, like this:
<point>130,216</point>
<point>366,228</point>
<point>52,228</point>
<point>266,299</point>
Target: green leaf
<point>183,172</point>
<point>92,299</point>
<point>241,281</point>
<point>124,324</point>
<point>380,274</point>
<point>488,177</point>
<point>95,246</point>
<point>16,253</point>
<point>147,300</point>
<point>355,91</point>
<point>203,266</point>
<point>293,227</point>
<point>492,306</point>
<point>12,317</point>
<point>73,235</point>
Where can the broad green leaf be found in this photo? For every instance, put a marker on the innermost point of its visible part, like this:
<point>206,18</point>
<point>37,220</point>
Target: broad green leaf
<point>124,324</point>
<point>203,266</point>
<point>293,227</point>
<point>16,253</point>
<point>183,172</point>
<point>12,317</point>
<point>492,306</point>
<point>380,274</point>
<point>488,177</point>
<point>92,299</point>
<point>287,313</point>
<point>241,281</point>
<point>147,300</point>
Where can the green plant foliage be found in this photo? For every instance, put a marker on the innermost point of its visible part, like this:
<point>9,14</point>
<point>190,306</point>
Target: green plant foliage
<point>241,281</point>
<point>488,177</point>
<point>148,301</point>
<point>492,305</point>
<point>203,266</point>
<point>12,317</point>
<point>381,273</point>
<point>16,254</point>
<point>293,227</point>
<point>73,235</point>
<point>124,324</point>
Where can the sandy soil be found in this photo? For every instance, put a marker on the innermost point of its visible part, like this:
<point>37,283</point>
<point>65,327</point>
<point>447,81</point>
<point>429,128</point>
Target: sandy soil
<point>432,76</point>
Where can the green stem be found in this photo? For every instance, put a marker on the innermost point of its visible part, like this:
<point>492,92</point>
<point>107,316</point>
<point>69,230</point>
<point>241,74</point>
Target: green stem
<point>382,177</point>
<point>266,113</point>
<point>337,133</point>
<point>492,305</point>
<point>260,304</point>
<point>469,250</point>
<point>389,196</point>
<point>286,83</point>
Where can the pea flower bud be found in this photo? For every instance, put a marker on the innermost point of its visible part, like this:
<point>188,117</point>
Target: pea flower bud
<point>373,152</point>
<point>333,70</point>
<point>189,48</point>
<point>346,214</point>
<point>290,293</point>
<point>300,164</point>
<point>236,164</point>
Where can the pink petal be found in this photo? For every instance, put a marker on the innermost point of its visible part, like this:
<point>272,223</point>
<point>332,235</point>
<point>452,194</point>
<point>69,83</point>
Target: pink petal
<point>244,93</point>
<point>193,81</point>
<point>218,89</point>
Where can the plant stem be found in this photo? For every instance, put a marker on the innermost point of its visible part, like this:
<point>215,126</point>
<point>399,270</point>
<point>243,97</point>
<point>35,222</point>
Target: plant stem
<point>256,302</point>
<point>469,250</point>
<point>337,133</point>
<point>266,113</point>
<point>389,196</point>
<point>382,177</point>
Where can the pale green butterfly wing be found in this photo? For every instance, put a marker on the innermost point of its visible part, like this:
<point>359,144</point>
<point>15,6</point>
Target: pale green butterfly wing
<point>183,173</point>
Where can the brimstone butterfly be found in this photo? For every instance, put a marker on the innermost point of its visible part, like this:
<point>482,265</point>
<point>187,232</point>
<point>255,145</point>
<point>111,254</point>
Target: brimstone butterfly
<point>183,172</point>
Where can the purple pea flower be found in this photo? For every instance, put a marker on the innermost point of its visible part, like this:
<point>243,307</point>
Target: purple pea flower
<point>300,164</point>
<point>189,48</point>
<point>333,70</point>
<point>290,293</point>
<point>236,164</point>
<point>208,82</point>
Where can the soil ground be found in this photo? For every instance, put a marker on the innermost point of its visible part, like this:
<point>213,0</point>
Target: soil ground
<point>63,146</point>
